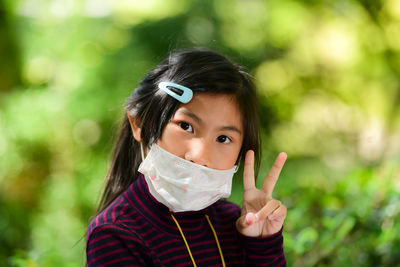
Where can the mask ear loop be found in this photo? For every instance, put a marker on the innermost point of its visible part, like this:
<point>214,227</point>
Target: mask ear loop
<point>237,165</point>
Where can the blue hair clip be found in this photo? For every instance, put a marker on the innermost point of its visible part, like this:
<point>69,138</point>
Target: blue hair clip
<point>186,95</point>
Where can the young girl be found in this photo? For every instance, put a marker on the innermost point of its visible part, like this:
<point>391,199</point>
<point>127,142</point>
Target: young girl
<point>187,126</point>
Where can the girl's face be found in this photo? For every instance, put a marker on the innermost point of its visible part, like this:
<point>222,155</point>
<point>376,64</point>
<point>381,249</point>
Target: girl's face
<point>208,131</point>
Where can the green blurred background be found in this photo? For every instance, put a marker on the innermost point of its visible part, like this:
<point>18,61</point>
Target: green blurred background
<point>329,86</point>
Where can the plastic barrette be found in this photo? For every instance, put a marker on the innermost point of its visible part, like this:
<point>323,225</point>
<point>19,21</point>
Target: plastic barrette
<point>186,95</point>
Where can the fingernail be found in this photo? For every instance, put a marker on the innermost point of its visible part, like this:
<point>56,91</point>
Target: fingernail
<point>256,217</point>
<point>247,219</point>
<point>271,217</point>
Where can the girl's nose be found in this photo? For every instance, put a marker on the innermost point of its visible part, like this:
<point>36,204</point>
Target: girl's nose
<point>198,152</point>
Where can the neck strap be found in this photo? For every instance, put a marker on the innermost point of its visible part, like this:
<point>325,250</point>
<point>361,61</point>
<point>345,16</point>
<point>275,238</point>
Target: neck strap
<point>187,246</point>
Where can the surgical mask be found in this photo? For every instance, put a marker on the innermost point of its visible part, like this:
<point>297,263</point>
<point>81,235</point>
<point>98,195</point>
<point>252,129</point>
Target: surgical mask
<point>182,185</point>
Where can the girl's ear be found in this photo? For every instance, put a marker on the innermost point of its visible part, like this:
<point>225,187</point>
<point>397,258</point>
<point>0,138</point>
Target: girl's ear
<point>135,126</point>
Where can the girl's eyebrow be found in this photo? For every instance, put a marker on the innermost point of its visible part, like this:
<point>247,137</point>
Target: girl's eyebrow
<point>230,128</point>
<point>192,115</point>
<point>199,121</point>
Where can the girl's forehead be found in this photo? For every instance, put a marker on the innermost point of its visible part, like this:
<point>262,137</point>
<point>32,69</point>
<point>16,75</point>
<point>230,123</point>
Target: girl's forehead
<point>218,108</point>
<point>206,99</point>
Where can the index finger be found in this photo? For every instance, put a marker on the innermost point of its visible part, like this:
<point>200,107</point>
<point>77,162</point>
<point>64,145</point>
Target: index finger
<point>248,172</point>
<point>273,175</point>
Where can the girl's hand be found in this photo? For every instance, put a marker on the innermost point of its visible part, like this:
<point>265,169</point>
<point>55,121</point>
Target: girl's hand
<point>261,214</point>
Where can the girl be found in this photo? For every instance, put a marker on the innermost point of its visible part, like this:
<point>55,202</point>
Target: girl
<point>188,125</point>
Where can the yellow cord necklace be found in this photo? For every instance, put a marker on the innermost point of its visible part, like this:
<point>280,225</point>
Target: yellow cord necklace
<point>187,246</point>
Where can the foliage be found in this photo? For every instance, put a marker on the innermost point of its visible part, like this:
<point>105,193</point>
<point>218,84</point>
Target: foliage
<point>329,92</point>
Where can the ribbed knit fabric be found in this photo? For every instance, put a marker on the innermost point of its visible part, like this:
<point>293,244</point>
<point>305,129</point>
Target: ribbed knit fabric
<point>137,230</point>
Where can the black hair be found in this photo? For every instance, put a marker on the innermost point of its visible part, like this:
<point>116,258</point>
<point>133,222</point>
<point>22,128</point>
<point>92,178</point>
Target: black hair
<point>203,71</point>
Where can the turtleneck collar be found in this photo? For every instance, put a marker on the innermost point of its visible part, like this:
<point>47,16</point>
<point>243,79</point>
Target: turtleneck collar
<point>139,196</point>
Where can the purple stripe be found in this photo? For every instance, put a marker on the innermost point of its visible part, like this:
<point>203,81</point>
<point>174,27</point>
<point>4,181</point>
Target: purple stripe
<point>228,208</point>
<point>227,237</point>
<point>149,231</point>
<point>114,208</point>
<point>194,227</point>
<point>131,224</point>
<point>229,205</point>
<point>135,220</point>
<point>164,243</point>
<point>214,258</point>
<point>125,235</point>
<point>120,259</point>
<point>158,236</point>
<point>108,226</point>
<point>232,254</point>
<point>114,251</point>
<point>263,241</point>
<point>225,218</point>
<point>229,246</point>
<point>263,256</point>
<point>97,221</point>
<point>155,219</point>
<point>109,244</point>
<point>209,250</point>
<point>283,261</point>
<point>124,207</point>
<point>131,213</point>
<point>189,220</point>
<point>113,227</point>
<point>224,225</point>
<point>205,242</point>
<point>105,215</point>
<point>142,206</point>
<point>182,247</point>
<point>191,236</point>
<point>172,249</point>
<point>237,262</point>
<point>104,236</point>
<point>176,257</point>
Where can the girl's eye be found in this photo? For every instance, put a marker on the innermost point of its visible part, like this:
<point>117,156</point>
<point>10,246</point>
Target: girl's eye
<point>224,139</point>
<point>186,126</point>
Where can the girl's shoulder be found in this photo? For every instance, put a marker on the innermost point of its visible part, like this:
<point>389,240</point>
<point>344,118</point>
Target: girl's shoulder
<point>115,214</point>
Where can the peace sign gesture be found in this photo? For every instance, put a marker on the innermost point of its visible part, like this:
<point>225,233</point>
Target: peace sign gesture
<point>261,214</point>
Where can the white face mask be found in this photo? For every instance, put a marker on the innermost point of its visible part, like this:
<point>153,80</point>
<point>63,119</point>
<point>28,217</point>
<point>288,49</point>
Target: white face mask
<point>182,185</point>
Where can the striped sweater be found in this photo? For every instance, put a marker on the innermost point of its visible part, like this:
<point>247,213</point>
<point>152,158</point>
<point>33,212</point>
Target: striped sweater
<point>137,230</point>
